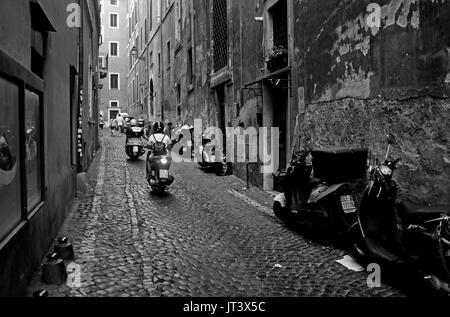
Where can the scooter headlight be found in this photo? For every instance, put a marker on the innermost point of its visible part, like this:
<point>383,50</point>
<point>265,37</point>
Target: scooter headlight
<point>164,161</point>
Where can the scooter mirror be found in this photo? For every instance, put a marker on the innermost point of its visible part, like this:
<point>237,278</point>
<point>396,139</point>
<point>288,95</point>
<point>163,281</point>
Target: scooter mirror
<point>391,139</point>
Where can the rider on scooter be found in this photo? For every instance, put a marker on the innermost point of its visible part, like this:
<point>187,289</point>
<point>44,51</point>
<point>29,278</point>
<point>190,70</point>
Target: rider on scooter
<point>159,143</point>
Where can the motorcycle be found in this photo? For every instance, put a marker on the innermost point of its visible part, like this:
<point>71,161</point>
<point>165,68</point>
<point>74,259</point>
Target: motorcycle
<point>158,171</point>
<point>396,232</point>
<point>134,146</point>
<point>320,190</point>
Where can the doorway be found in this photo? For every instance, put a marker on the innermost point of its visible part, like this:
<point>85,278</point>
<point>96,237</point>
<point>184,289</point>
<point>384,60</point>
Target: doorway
<point>275,109</point>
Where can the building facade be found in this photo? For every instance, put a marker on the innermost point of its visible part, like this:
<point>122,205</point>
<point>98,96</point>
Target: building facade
<point>49,127</point>
<point>326,73</point>
<point>114,56</point>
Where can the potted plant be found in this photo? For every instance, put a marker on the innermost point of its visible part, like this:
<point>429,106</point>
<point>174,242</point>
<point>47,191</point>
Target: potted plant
<point>277,58</point>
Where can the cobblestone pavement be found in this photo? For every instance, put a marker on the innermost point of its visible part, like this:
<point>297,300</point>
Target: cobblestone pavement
<point>207,237</point>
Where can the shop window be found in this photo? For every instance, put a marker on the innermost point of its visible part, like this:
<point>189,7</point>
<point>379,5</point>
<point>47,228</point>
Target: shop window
<point>32,146</point>
<point>10,198</point>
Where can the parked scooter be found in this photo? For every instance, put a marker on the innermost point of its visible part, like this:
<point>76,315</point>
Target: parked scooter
<point>399,233</point>
<point>134,146</point>
<point>320,188</point>
<point>208,157</point>
<point>158,170</point>
<point>178,136</point>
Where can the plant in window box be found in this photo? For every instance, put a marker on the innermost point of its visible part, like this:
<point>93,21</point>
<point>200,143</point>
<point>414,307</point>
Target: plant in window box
<point>277,58</point>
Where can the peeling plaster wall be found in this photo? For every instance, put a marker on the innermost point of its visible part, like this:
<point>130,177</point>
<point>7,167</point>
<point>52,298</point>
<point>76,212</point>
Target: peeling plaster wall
<point>422,129</point>
<point>362,83</point>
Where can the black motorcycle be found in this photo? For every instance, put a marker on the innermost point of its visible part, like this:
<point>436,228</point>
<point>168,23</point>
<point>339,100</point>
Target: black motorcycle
<point>134,146</point>
<point>321,190</point>
<point>397,232</point>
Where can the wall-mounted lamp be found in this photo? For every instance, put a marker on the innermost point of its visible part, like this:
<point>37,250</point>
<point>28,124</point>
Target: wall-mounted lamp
<point>259,19</point>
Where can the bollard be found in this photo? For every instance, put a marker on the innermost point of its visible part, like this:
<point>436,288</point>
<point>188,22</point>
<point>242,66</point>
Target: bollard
<point>40,293</point>
<point>64,249</point>
<point>54,271</point>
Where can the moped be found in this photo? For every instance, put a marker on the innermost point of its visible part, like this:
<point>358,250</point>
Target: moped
<point>397,232</point>
<point>321,189</point>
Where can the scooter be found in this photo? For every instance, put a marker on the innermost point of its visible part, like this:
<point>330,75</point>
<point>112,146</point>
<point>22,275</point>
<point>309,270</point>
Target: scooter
<point>209,157</point>
<point>134,147</point>
<point>321,190</point>
<point>158,172</point>
<point>179,134</point>
<point>397,232</point>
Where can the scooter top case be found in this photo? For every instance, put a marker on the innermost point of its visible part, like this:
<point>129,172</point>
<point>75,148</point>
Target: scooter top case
<point>340,165</point>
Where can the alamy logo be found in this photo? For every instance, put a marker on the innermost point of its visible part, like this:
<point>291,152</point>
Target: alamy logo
<point>374,278</point>
<point>74,17</point>
<point>374,17</point>
<point>235,145</point>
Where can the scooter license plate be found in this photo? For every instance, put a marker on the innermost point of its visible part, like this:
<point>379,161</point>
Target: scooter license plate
<point>164,174</point>
<point>135,149</point>
<point>348,204</point>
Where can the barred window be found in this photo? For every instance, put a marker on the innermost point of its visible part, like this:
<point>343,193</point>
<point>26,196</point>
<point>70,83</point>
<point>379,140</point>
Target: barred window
<point>220,34</point>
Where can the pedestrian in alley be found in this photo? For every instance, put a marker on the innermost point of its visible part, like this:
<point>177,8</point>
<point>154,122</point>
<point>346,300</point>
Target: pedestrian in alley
<point>112,125</point>
<point>120,124</point>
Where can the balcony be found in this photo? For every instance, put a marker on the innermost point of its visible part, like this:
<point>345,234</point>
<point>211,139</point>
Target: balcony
<point>103,65</point>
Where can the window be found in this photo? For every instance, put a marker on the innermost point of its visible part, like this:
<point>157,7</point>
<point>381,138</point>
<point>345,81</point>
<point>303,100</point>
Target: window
<point>10,172</point>
<point>114,104</point>
<point>114,2</point>
<point>278,14</point>
<point>220,34</point>
<point>151,59</point>
<point>114,81</point>
<point>130,28</point>
<point>159,63</point>
<point>168,54</point>
<point>150,14</point>
<point>179,100</point>
<point>114,49</point>
<point>138,92</point>
<point>178,22</point>
<point>146,30</point>
<point>190,65</point>
<point>33,145</point>
<point>114,21</point>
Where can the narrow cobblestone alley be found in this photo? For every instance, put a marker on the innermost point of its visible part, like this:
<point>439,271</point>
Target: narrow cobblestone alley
<point>207,237</point>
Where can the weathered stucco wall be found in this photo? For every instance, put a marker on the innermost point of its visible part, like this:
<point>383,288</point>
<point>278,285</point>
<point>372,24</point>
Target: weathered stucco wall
<point>362,83</point>
<point>420,125</point>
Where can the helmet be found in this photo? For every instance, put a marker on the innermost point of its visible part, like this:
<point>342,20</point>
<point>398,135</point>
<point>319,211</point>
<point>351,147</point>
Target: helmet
<point>133,123</point>
<point>158,127</point>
